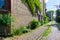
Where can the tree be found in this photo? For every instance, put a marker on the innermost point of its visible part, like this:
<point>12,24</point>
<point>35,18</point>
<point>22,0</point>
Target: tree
<point>58,15</point>
<point>50,14</point>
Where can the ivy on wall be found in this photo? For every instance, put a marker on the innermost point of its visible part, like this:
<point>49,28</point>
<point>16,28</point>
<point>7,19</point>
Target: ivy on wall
<point>32,5</point>
<point>38,4</point>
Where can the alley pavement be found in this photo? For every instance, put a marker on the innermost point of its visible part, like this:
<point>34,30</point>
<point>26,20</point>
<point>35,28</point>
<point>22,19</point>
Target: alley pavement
<point>55,33</point>
<point>34,35</point>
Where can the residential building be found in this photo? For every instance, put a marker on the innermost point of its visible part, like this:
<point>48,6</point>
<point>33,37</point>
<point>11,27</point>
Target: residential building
<point>19,11</point>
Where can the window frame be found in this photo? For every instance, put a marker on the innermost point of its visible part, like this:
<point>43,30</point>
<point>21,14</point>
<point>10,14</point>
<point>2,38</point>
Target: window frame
<point>7,6</point>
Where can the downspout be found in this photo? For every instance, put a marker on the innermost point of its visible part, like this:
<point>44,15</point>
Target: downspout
<point>12,7</point>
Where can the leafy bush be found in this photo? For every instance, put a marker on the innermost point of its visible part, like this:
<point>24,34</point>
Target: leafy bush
<point>42,22</point>
<point>46,19</point>
<point>58,15</point>
<point>5,19</point>
<point>20,31</point>
<point>24,29</point>
<point>34,24</point>
<point>5,23</point>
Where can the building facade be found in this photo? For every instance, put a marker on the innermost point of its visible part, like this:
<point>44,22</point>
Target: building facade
<point>5,5</point>
<point>21,14</point>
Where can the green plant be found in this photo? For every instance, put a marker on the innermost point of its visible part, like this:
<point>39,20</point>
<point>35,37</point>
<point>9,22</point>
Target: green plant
<point>34,24</point>
<point>38,5</point>
<point>58,15</point>
<point>51,12</point>
<point>20,30</point>
<point>5,23</point>
<point>5,19</point>
<point>32,5</point>
<point>42,22</point>
<point>46,33</point>
<point>46,19</point>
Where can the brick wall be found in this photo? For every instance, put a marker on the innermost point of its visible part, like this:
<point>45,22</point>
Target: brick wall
<point>22,15</point>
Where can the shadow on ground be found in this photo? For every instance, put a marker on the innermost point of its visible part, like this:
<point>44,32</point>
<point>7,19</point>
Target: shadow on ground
<point>58,26</point>
<point>55,25</point>
<point>1,38</point>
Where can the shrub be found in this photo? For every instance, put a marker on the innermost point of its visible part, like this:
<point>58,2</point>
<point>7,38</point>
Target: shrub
<point>58,15</point>
<point>20,30</point>
<point>5,24</point>
<point>34,24</point>
<point>42,22</point>
<point>5,19</point>
<point>46,19</point>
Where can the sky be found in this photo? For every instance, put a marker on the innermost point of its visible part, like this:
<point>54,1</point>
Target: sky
<point>50,5</point>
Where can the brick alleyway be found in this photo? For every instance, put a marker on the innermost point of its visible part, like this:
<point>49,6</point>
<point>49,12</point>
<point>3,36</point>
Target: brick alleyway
<point>55,34</point>
<point>34,35</point>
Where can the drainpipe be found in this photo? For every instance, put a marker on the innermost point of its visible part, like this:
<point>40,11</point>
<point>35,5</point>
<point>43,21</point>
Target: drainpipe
<point>12,7</point>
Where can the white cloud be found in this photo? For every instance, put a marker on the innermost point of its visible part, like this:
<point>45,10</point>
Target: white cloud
<point>46,1</point>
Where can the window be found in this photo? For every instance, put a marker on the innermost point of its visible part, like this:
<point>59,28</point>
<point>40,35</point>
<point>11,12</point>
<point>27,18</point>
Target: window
<point>2,3</point>
<point>5,5</point>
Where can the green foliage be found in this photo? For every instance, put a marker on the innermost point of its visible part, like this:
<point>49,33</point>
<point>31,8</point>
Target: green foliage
<point>5,19</point>
<point>34,24</point>
<point>33,4</point>
<point>58,12</point>
<point>47,32</point>
<point>24,29</point>
<point>24,1</point>
<point>46,19</point>
<point>20,30</point>
<point>38,5</point>
<point>42,22</point>
<point>58,15</point>
<point>52,11</point>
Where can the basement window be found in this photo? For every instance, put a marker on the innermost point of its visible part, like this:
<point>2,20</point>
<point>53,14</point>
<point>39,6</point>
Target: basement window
<point>2,3</point>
